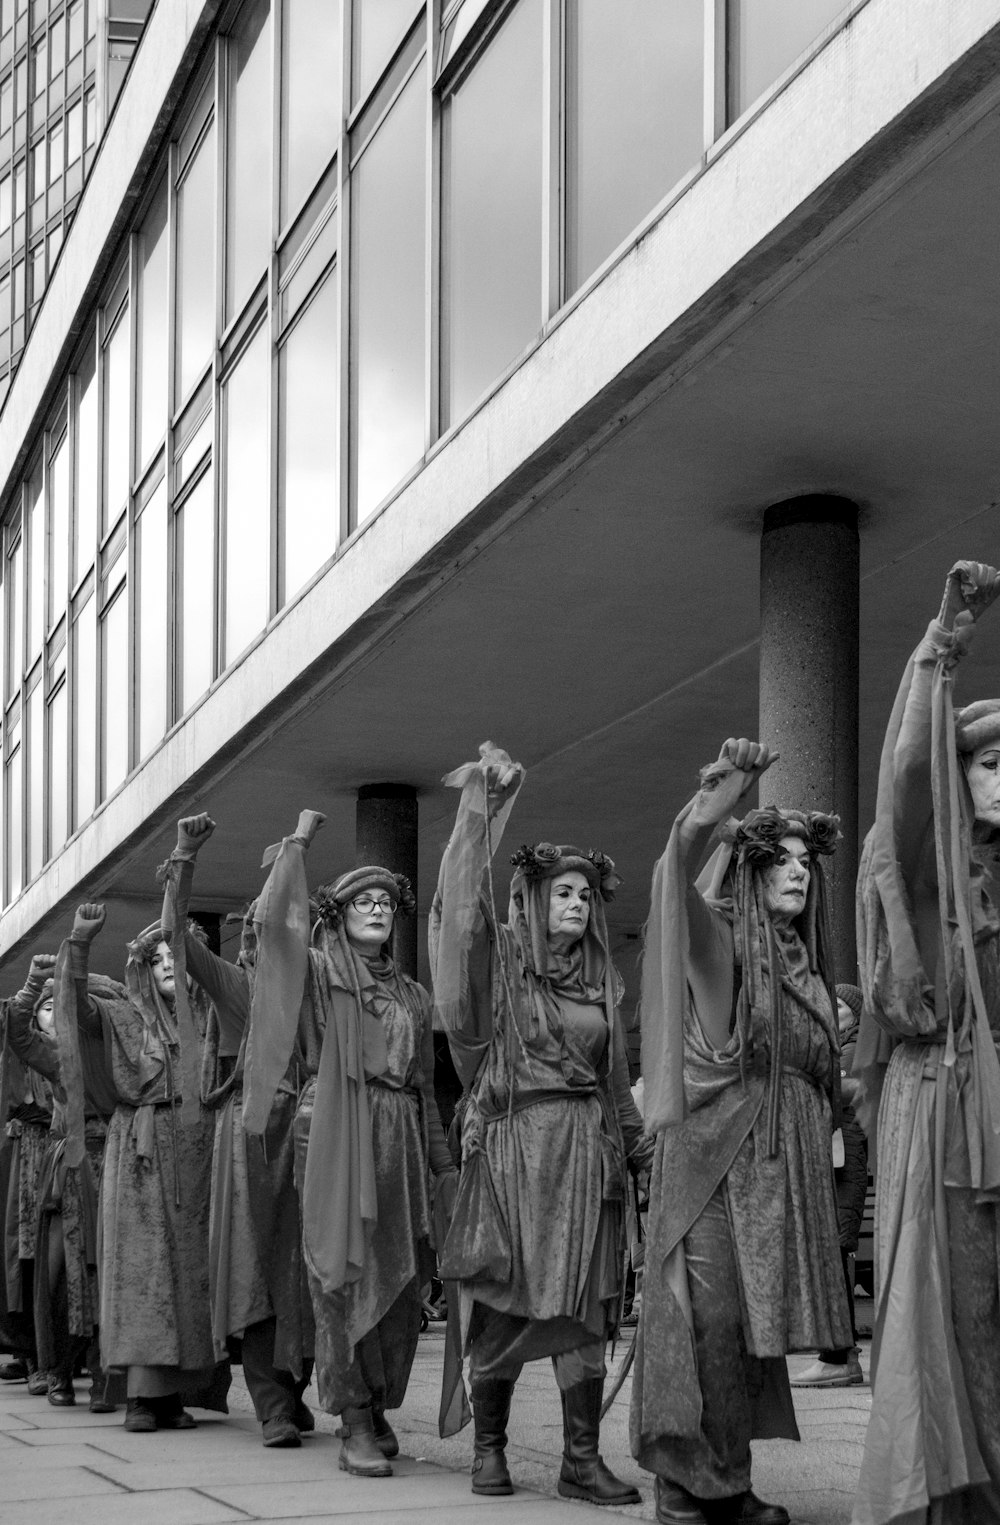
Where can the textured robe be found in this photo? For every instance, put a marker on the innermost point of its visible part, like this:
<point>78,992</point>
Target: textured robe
<point>932,1451</point>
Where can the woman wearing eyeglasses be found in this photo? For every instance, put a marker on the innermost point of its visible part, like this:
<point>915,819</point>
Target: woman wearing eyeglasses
<point>367,1131</point>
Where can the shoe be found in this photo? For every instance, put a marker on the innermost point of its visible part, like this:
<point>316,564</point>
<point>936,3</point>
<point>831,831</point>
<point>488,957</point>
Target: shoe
<point>282,1433</point>
<point>60,1390</point>
<point>385,1435</point>
<point>38,1382</point>
<point>831,1374</point>
<point>359,1452</point>
<point>101,1401</point>
<point>305,1420</point>
<point>756,1512</point>
<point>14,1371</point>
<point>675,1506</point>
<point>583,1474</point>
<point>490,1411</point>
<point>171,1413</point>
<point>99,1405</point>
<point>140,1419</point>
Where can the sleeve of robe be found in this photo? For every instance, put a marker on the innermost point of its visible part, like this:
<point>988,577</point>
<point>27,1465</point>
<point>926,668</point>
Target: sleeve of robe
<point>39,1052</point>
<point>639,1145</point>
<point>225,985</point>
<point>440,1159</point>
<point>460,938</point>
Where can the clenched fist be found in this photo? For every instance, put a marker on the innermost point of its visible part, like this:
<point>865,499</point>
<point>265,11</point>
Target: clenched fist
<point>193,831</point>
<point>87,922</point>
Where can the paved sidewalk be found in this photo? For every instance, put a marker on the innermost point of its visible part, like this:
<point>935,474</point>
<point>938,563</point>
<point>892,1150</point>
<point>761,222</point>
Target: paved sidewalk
<point>60,1467</point>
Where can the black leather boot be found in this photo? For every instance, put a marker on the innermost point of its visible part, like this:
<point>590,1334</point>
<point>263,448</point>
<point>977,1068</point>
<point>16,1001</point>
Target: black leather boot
<point>490,1411</point>
<point>385,1435</point>
<point>359,1452</point>
<point>583,1474</point>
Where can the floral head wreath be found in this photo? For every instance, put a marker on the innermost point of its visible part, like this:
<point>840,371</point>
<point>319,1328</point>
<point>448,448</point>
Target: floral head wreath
<point>757,838</point>
<point>142,948</point>
<point>545,860</point>
<point>330,899</point>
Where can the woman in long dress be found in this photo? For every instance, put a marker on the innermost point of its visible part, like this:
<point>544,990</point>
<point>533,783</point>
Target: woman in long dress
<point>368,1135</point>
<point>155,1312</point>
<point>929,922</point>
<point>531,1011</point>
<point>741,1068</point>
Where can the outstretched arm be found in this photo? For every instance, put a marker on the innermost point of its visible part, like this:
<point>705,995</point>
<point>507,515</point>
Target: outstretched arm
<point>31,1046</point>
<point>222,982</point>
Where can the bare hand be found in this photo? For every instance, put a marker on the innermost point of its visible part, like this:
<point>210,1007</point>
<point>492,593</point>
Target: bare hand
<point>740,764</point>
<point>42,966</point>
<point>502,780</point>
<point>970,589</point>
<point>310,822</point>
<point>87,922</point>
<point>193,832</point>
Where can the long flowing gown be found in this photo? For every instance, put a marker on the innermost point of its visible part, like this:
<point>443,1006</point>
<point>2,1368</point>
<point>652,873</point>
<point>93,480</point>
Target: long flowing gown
<point>550,1107</point>
<point>742,1256</point>
<point>932,1451</point>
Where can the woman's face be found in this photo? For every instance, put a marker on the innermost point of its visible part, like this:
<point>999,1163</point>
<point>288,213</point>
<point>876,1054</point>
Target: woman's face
<point>787,880</point>
<point>162,967</point>
<point>984,783</point>
<point>569,910</point>
<point>845,1016</point>
<point>45,1015</point>
<point>368,920</point>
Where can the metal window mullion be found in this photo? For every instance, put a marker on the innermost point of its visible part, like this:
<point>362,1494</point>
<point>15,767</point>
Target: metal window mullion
<point>432,225</point>
<point>343,275</point>
<point>715,72</point>
<point>551,177</point>
<point>218,480</point>
<point>275,570</point>
<point>173,690</point>
<point>133,673</point>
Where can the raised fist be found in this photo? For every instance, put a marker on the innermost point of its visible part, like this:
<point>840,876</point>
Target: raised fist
<point>87,922</point>
<point>41,968</point>
<point>309,824</point>
<point>193,832</point>
<point>970,589</point>
<point>740,764</point>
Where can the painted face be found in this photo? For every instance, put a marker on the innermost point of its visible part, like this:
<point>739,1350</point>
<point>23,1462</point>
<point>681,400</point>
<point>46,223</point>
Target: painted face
<point>569,909</point>
<point>162,966</point>
<point>368,920</point>
<point>45,1015</point>
<point>787,880</point>
<point>984,782</point>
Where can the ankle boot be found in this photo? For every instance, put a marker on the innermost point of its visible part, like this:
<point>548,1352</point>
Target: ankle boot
<point>385,1435</point>
<point>583,1474</point>
<point>490,1411</point>
<point>359,1452</point>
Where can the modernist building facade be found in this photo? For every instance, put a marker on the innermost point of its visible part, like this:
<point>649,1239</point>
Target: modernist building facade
<point>413,372</point>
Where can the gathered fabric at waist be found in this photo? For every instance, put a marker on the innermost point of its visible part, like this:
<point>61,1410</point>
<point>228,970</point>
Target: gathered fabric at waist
<point>533,1098</point>
<point>387,1085</point>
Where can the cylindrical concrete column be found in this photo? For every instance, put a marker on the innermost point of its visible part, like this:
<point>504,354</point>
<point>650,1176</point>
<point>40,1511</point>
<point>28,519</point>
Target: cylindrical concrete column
<point>387,834</point>
<point>809,562</point>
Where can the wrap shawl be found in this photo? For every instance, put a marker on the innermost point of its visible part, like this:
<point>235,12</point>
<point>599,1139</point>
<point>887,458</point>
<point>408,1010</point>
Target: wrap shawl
<point>339,1207</point>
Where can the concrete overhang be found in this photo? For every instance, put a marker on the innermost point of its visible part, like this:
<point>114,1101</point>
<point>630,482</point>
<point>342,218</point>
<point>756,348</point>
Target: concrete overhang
<point>573,571</point>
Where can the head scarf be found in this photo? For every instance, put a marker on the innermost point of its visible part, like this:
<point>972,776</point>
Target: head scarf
<point>174,1025</point>
<point>977,725</point>
<point>580,972</point>
<point>331,899</point>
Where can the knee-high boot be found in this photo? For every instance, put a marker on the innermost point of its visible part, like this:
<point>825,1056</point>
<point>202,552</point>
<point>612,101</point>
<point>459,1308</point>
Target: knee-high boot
<point>583,1474</point>
<point>490,1411</point>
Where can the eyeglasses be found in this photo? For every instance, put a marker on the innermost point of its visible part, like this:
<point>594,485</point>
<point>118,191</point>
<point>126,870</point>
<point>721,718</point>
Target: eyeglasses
<point>366,903</point>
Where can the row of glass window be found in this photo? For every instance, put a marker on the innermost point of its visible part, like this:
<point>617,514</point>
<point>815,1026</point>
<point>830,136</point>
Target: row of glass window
<point>337,172</point>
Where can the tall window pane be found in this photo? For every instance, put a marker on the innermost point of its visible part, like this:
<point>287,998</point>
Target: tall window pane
<point>86,465</point>
<point>378,27</point>
<point>387,318</point>
<point>195,586</point>
<point>15,853</point>
<point>493,211</point>
<point>114,707</point>
<point>58,530</point>
<point>310,95</point>
<point>308,445</point>
<point>15,620</point>
<point>85,713</point>
<point>766,37</point>
<point>195,268</point>
<point>57,770</point>
<point>151,421</point>
<point>248,222</point>
<point>35,520</point>
<point>151,614</point>
<point>116,411</point>
<point>248,496</point>
<point>634,84</point>
<point>36,782</point>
